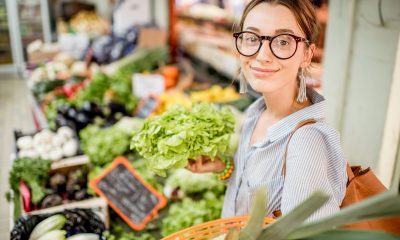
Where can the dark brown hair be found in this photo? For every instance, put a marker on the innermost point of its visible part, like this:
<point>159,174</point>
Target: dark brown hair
<point>303,10</point>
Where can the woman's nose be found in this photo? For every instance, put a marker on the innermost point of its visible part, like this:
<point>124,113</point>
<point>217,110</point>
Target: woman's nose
<point>264,54</point>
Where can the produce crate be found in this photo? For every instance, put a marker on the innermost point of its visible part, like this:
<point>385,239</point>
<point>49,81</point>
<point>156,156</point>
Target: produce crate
<point>97,205</point>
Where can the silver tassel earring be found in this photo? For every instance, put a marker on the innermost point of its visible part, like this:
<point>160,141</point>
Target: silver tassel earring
<point>302,95</point>
<point>242,83</point>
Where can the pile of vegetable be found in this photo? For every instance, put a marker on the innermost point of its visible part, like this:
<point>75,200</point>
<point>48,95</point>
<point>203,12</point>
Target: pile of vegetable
<point>49,145</point>
<point>74,224</point>
<point>215,94</point>
<point>169,140</point>
<point>102,145</point>
<point>190,212</point>
<point>106,96</point>
<point>88,22</point>
<point>64,187</point>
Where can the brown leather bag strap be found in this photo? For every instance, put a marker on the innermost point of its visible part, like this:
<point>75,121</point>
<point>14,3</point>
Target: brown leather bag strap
<point>278,213</point>
<point>350,174</point>
<point>301,124</point>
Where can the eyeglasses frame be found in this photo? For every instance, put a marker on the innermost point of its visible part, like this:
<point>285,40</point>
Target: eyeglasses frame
<point>270,39</point>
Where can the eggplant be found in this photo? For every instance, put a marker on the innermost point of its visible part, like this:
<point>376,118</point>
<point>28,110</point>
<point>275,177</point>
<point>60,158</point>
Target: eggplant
<point>51,201</point>
<point>58,183</point>
<point>91,109</point>
<point>61,120</point>
<point>116,108</point>
<point>76,182</point>
<point>83,117</point>
<point>71,113</point>
<point>63,109</point>
<point>80,195</point>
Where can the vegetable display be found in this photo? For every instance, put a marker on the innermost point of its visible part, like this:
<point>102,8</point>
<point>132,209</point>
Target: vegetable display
<point>74,224</point>
<point>169,140</point>
<point>102,145</point>
<point>190,212</point>
<point>49,145</point>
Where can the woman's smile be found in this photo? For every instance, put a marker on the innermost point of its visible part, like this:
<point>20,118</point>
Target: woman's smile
<point>262,72</point>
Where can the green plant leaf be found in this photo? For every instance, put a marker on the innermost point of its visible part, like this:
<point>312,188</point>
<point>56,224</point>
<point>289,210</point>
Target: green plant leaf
<point>256,221</point>
<point>289,222</point>
<point>343,234</point>
<point>385,204</point>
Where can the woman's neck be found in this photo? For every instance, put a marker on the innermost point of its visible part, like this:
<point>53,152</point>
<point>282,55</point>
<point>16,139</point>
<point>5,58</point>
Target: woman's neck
<point>282,104</point>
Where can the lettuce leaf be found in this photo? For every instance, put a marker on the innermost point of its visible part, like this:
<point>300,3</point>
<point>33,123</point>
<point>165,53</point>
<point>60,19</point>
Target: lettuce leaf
<point>169,140</point>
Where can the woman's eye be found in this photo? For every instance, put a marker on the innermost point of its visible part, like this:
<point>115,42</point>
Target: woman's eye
<point>251,39</point>
<point>283,43</point>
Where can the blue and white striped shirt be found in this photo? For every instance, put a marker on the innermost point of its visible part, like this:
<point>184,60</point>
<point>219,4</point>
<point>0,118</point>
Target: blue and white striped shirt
<point>315,161</point>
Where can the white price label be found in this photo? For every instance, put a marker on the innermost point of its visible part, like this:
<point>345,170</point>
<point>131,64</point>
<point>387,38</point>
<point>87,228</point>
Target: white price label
<point>145,85</point>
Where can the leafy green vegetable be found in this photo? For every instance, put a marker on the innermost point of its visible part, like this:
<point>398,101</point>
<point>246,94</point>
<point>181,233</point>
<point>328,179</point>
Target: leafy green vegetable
<point>94,91</point>
<point>120,82</point>
<point>40,89</point>
<point>191,183</point>
<point>169,140</point>
<point>190,212</point>
<point>34,172</point>
<point>102,145</point>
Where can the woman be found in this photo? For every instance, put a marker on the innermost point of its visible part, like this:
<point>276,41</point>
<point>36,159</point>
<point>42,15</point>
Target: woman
<point>276,42</point>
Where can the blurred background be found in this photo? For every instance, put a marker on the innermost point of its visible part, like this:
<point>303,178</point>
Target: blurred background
<point>77,68</point>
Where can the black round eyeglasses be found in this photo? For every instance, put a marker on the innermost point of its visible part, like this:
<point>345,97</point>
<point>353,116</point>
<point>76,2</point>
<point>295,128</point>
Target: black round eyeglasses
<point>283,46</point>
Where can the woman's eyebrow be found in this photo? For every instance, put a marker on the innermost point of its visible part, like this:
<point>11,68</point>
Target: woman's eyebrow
<point>277,31</point>
<point>253,29</point>
<point>283,30</point>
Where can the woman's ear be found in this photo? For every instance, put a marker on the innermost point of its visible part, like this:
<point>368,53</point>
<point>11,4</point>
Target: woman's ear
<point>308,55</point>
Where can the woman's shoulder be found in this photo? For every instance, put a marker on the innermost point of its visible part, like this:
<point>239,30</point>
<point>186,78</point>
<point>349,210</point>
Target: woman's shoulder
<point>320,128</point>
<point>318,139</point>
<point>318,135</point>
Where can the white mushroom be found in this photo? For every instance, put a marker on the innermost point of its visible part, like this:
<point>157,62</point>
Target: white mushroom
<point>58,140</point>
<point>32,154</point>
<point>66,132</point>
<point>70,148</point>
<point>56,154</point>
<point>47,136</point>
<point>25,142</point>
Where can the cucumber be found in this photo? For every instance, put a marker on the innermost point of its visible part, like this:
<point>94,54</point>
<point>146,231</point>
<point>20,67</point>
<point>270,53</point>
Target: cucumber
<point>54,222</point>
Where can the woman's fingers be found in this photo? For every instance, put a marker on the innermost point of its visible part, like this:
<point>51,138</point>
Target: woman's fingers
<point>205,164</point>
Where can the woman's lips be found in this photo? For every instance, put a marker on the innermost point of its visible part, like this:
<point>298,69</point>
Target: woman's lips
<point>262,72</point>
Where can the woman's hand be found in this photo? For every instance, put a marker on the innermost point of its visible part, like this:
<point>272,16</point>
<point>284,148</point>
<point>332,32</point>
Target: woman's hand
<point>204,164</point>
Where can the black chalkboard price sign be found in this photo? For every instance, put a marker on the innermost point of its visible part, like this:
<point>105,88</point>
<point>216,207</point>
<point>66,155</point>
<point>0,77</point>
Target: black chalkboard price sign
<point>128,194</point>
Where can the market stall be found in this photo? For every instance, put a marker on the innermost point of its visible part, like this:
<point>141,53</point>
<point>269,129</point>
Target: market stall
<point>119,114</point>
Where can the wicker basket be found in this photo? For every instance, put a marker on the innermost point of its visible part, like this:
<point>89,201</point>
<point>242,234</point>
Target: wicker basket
<point>212,229</point>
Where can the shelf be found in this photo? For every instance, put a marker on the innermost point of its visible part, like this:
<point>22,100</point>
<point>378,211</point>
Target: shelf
<point>226,79</point>
<point>220,24</point>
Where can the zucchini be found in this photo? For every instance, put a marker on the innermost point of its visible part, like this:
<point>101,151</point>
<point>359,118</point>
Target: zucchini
<point>54,222</point>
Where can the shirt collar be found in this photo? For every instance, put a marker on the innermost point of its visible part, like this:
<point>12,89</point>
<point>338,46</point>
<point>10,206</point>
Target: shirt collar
<point>287,124</point>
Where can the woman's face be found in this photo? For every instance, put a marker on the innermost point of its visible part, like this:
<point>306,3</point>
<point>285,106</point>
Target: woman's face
<point>266,73</point>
